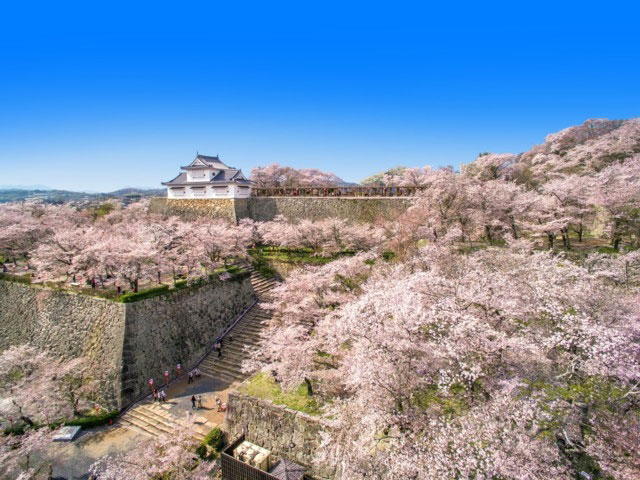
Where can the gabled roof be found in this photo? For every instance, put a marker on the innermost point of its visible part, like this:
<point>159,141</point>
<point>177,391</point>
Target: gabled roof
<point>287,470</point>
<point>222,177</point>
<point>231,175</point>
<point>205,161</point>
<point>179,180</point>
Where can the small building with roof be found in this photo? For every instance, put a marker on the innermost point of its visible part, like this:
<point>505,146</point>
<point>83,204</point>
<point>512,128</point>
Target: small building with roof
<point>208,177</point>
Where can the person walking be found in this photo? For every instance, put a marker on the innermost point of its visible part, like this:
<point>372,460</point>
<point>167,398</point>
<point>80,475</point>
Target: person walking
<point>193,402</point>
<point>190,377</point>
<point>197,372</point>
<point>155,395</point>
<point>199,402</point>
<point>218,403</point>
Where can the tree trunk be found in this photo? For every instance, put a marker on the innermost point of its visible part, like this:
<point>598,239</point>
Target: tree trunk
<point>552,238</point>
<point>309,387</point>
<point>580,232</point>
<point>514,230</point>
<point>487,231</point>
<point>616,243</point>
<point>565,238</point>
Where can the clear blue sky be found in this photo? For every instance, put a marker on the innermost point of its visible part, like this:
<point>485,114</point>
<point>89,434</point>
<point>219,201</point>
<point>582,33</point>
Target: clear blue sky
<point>101,96</point>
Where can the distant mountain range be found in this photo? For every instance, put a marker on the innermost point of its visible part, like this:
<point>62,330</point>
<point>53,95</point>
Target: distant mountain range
<point>13,193</point>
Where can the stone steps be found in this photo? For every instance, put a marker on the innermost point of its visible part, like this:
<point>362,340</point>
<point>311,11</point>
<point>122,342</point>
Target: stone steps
<point>246,336</point>
<point>152,419</point>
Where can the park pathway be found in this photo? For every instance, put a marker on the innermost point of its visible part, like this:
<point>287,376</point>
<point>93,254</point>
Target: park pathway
<point>219,375</point>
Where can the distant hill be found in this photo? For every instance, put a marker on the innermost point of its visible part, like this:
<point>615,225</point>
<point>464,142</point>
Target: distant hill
<point>60,196</point>
<point>24,187</point>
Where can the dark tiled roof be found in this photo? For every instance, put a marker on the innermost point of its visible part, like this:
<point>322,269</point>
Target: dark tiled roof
<point>287,470</point>
<point>214,162</point>
<point>223,176</point>
<point>180,179</point>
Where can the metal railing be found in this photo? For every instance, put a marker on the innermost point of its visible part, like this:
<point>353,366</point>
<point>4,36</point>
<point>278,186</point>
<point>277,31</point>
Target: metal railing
<point>146,395</point>
<point>338,191</point>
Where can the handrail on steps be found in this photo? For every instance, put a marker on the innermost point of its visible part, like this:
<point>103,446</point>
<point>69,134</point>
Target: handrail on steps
<point>209,350</point>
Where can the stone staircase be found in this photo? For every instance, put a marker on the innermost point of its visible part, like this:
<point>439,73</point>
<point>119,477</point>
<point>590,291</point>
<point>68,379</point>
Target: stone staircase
<point>154,419</point>
<point>261,285</point>
<point>244,337</point>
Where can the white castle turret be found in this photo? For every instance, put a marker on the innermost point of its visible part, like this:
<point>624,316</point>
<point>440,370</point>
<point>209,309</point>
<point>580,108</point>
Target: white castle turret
<point>208,177</point>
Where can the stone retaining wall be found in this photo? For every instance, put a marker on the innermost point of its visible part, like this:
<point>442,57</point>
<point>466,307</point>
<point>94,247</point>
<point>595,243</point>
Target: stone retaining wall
<point>177,328</point>
<point>283,431</point>
<point>190,208</point>
<point>358,209</point>
<point>69,326</point>
<point>124,344</point>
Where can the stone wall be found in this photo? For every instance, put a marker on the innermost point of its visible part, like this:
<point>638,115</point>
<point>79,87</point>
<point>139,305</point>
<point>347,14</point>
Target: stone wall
<point>177,328</point>
<point>69,326</point>
<point>189,208</point>
<point>125,344</point>
<point>358,209</point>
<point>285,432</point>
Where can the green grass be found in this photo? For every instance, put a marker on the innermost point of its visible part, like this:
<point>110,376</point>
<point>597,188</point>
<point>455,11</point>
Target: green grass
<point>263,386</point>
<point>296,255</point>
<point>144,294</point>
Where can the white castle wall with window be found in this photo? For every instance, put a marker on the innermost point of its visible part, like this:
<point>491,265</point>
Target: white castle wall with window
<point>208,177</point>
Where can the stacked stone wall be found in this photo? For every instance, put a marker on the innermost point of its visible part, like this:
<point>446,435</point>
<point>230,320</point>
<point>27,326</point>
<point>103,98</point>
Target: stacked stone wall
<point>358,209</point>
<point>68,326</point>
<point>178,328</point>
<point>191,208</point>
<point>125,344</point>
<point>285,432</point>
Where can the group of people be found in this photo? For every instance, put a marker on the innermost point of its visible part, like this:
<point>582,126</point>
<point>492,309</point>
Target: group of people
<point>196,403</point>
<point>195,373</point>
<point>159,395</point>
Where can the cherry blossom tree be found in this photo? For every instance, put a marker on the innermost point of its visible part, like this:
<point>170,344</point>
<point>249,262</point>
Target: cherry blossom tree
<point>452,365</point>
<point>27,375</point>
<point>165,456</point>
<point>274,175</point>
<point>617,190</point>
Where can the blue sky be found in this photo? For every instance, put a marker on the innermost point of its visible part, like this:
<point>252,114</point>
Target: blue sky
<point>98,96</point>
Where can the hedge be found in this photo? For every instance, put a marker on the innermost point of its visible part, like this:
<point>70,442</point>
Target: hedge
<point>149,293</point>
<point>26,279</point>
<point>91,421</point>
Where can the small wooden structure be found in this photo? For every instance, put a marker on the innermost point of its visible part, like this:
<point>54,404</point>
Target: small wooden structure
<point>235,469</point>
<point>310,191</point>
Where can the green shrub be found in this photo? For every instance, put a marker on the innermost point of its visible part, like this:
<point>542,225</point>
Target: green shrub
<point>180,284</point>
<point>212,444</point>
<point>215,439</point>
<point>388,256</point>
<point>91,421</point>
<point>149,293</point>
<point>203,452</point>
